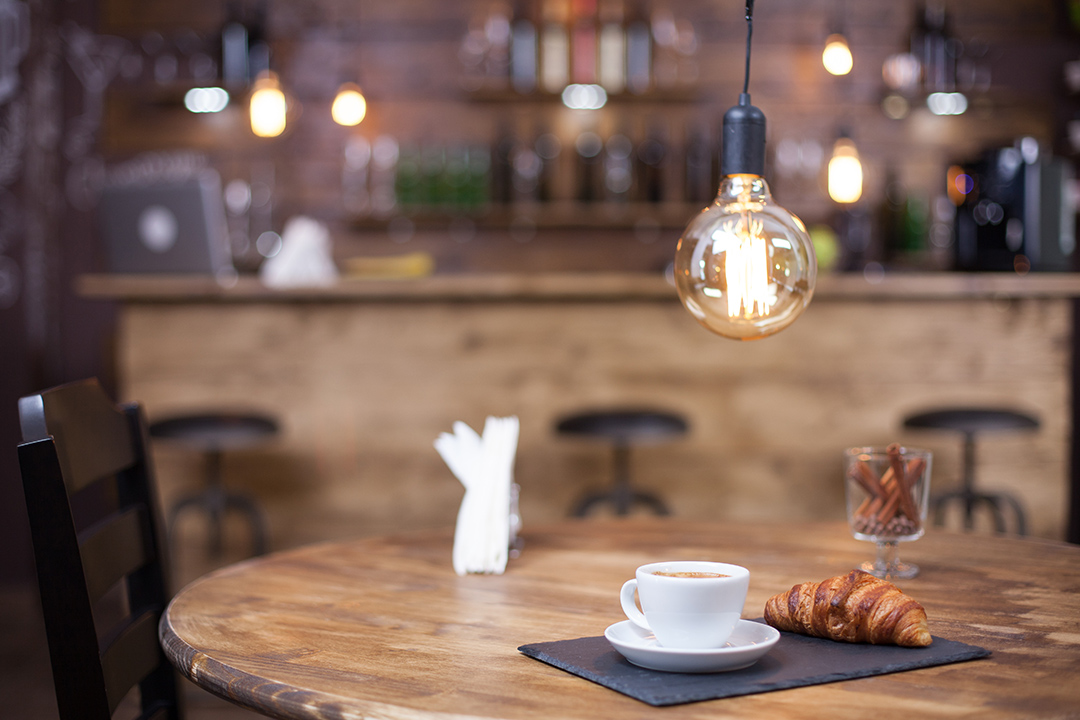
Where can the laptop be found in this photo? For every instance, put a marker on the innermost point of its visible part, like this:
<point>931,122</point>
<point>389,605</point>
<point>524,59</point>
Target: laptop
<point>175,226</point>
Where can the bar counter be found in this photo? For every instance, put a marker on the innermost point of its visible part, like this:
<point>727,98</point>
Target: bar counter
<point>564,286</point>
<point>365,374</point>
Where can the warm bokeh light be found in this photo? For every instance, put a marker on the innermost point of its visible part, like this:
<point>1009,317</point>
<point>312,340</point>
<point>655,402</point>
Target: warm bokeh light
<point>895,107</point>
<point>350,106</point>
<point>267,106</point>
<point>958,185</point>
<point>837,55</point>
<point>845,172</point>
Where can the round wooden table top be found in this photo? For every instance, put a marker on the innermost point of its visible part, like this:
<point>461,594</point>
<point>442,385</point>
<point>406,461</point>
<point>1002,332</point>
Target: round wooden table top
<point>382,627</point>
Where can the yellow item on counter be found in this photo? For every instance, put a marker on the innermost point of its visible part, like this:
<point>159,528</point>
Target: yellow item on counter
<point>409,265</point>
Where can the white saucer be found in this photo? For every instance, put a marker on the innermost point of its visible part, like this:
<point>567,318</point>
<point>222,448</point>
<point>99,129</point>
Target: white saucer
<point>749,642</point>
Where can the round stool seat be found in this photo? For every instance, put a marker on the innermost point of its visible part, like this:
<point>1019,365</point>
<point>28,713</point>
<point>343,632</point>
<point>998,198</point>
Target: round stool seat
<point>623,428</point>
<point>972,420</point>
<point>214,433</point>
<point>225,431</point>
<point>629,426</point>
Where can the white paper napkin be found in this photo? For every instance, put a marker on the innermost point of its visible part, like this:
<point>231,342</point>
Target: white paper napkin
<point>304,259</point>
<point>485,466</point>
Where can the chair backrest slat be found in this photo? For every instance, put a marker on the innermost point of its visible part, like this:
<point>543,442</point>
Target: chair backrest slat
<point>75,437</point>
<point>92,436</point>
<point>113,549</point>
<point>130,656</point>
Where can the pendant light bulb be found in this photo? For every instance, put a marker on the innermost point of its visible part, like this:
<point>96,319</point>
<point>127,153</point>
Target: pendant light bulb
<point>845,172</point>
<point>267,106</point>
<point>350,106</point>
<point>837,55</point>
<point>745,267</point>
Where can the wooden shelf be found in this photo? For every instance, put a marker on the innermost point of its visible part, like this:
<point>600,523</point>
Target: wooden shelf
<point>666,96</point>
<point>547,216</point>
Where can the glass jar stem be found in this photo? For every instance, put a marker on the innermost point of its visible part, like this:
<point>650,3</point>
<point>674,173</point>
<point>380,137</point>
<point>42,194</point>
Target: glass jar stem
<point>888,558</point>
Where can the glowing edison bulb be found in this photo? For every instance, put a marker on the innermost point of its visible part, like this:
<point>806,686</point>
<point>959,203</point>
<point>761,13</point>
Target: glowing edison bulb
<point>845,172</point>
<point>836,57</point>
<point>267,106</point>
<point>745,267</point>
<point>349,106</point>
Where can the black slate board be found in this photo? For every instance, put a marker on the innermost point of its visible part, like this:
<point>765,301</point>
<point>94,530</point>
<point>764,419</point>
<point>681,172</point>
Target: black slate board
<point>795,661</point>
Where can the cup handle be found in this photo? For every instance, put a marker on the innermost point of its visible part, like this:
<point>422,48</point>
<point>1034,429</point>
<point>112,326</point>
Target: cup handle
<point>626,596</point>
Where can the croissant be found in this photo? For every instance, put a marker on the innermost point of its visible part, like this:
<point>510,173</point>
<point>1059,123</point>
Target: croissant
<point>856,607</point>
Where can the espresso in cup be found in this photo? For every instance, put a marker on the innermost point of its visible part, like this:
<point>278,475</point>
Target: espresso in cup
<point>687,604</point>
<point>688,574</point>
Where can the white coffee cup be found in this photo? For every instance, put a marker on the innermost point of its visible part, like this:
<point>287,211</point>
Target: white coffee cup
<point>690,605</point>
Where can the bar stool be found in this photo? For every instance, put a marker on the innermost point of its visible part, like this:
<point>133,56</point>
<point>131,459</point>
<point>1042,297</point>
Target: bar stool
<point>622,428</point>
<point>971,421</point>
<point>213,434</point>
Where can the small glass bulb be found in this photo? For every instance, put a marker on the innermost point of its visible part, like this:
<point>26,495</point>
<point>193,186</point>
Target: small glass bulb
<point>837,55</point>
<point>845,172</point>
<point>268,107</point>
<point>349,107</point>
<point>745,267</point>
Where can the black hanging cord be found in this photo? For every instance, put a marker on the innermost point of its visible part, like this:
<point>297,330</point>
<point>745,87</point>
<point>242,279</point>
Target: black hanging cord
<point>749,34</point>
<point>743,145</point>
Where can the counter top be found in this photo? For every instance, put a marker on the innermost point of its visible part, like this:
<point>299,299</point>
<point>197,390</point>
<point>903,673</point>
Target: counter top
<point>598,287</point>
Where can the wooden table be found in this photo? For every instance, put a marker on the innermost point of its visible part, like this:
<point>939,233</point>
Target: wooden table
<point>382,627</point>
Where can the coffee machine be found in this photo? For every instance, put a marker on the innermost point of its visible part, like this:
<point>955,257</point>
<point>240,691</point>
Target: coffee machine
<point>1016,211</point>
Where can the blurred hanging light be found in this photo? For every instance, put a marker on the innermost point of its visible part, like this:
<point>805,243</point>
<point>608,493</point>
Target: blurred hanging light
<point>267,106</point>
<point>745,267</point>
<point>350,106</point>
<point>947,103</point>
<point>837,55</point>
<point>206,99</point>
<point>845,172</point>
<point>584,97</point>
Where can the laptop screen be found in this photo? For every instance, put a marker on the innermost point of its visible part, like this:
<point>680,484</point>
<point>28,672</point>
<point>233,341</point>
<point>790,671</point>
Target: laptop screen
<point>177,226</point>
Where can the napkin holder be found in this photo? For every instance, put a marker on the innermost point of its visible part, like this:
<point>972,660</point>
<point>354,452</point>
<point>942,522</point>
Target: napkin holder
<point>489,519</point>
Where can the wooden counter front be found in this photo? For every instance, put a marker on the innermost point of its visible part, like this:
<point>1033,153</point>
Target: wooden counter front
<point>365,375</point>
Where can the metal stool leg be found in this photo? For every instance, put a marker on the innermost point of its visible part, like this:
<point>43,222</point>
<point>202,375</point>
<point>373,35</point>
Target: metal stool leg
<point>622,495</point>
<point>969,480</point>
<point>258,522</point>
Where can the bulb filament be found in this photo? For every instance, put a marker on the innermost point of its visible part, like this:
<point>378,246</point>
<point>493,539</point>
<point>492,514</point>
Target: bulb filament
<point>746,268</point>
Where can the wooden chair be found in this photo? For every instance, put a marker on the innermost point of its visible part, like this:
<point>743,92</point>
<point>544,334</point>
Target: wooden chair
<point>93,512</point>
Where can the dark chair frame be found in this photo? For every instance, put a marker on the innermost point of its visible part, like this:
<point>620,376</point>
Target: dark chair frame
<point>76,439</point>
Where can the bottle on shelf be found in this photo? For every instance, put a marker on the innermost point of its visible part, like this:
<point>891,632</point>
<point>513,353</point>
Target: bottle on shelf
<point>611,55</point>
<point>618,168</point>
<point>583,43</point>
<point>554,47</point>
<point>652,157</point>
<point>523,49</point>
<point>589,147</point>
<point>234,50</point>
<point>638,50</point>
<point>502,166</point>
<point>699,166</point>
<point>665,61</point>
<point>497,59</point>
<point>548,148</point>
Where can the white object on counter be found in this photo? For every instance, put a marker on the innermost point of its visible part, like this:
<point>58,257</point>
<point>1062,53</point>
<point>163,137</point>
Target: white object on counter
<point>304,259</point>
<point>485,466</point>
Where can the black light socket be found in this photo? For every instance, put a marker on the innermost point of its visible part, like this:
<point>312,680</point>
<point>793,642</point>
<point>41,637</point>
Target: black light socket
<point>743,149</point>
